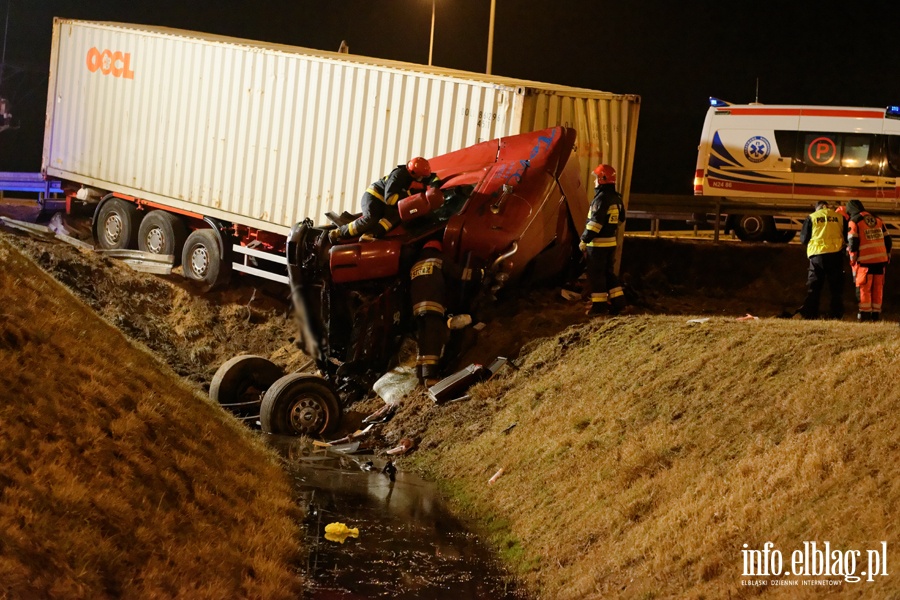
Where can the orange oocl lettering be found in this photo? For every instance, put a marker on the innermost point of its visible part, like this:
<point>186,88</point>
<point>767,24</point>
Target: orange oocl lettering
<point>117,64</point>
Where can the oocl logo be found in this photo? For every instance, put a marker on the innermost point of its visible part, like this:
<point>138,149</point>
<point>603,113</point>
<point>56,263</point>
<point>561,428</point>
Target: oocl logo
<point>116,63</point>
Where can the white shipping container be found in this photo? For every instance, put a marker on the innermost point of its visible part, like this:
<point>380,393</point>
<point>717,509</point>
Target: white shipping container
<point>265,135</point>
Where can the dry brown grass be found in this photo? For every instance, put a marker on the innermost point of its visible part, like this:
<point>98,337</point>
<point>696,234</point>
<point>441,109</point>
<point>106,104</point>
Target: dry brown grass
<point>647,451</point>
<point>116,479</point>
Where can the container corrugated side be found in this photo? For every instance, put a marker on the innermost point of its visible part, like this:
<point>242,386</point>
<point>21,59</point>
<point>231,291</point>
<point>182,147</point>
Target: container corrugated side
<point>265,135</point>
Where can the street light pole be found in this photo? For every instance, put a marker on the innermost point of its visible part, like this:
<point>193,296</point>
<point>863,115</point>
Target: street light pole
<point>491,37</point>
<point>431,44</point>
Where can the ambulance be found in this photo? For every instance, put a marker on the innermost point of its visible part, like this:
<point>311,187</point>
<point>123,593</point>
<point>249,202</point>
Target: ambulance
<point>777,160</point>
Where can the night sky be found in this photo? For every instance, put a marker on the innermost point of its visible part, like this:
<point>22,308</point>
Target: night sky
<point>674,55</point>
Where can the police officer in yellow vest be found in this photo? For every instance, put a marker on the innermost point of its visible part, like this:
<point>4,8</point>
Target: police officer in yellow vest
<point>823,234</point>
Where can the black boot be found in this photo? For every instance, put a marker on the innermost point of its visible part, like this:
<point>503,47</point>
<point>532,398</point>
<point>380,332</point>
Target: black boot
<point>864,316</point>
<point>876,316</point>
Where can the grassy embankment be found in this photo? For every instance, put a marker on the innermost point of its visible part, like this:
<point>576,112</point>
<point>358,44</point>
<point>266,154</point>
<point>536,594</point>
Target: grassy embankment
<point>116,479</point>
<point>648,451</point>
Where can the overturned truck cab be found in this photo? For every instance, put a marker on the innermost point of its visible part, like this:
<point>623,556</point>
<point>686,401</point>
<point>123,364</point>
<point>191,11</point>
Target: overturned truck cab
<point>510,209</point>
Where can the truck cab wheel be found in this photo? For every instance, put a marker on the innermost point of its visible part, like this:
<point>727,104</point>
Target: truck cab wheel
<point>117,225</point>
<point>162,233</point>
<point>300,404</point>
<point>202,260</point>
<point>239,384</point>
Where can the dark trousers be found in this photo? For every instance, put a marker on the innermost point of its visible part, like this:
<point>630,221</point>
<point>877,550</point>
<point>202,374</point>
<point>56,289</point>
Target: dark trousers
<point>824,268</point>
<point>605,286</point>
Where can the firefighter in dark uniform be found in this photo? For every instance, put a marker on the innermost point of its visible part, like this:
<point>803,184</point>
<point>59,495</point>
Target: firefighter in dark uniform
<point>823,235</point>
<point>599,243</point>
<point>428,293</point>
<point>379,202</point>
<point>869,246</point>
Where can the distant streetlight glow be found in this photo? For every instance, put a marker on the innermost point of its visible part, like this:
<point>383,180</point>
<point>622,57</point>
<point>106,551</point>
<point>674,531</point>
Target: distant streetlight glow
<point>431,44</point>
<point>491,37</point>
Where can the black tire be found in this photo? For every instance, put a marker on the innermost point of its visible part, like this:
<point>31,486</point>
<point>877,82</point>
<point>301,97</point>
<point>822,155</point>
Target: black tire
<point>299,404</point>
<point>117,225</point>
<point>202,260</point>
<point>239,384</point>
<point>162,233</point>
<point>754,228</point>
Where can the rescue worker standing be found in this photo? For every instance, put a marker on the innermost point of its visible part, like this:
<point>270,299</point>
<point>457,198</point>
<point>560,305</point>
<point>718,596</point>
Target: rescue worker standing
<point>869,246</point>
<point>823,236</point>
<point>599,243</point>
<point>379,202</point>
<point>427,290</point>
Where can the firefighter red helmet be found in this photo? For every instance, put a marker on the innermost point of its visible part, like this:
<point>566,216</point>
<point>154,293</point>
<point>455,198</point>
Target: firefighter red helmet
<point>418,167</point>
<point>436,244</point>
<point>605,174</point>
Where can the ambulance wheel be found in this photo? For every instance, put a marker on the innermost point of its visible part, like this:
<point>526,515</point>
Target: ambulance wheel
<point>117,225</point>
<point>299,404</point>
<point>754,228</point>
<point>239,384</point>
<point>202,260</point>
<point>162,233</point>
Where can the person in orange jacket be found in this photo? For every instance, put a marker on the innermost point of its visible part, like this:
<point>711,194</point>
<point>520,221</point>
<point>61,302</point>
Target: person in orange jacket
<point>869,246</point>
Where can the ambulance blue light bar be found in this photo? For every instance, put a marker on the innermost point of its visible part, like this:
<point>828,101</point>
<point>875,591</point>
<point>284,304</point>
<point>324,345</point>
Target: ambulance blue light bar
<point>716,103</point>
<point>892,112</point>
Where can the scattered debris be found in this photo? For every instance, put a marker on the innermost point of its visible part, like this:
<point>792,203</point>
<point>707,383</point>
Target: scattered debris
<point>339,532</point>
<point>509,428</point>
<point>382,415</point>
<point>403,447</point>
<point>454,386</point>
<point>747,317</point>
<point>356,434</point>
<point>395,384</point>
<point>570,295</point>
<point>346,448</point>
<point>703,320</point>
<point>496,476</point>
<point>368,466</point>
<point>459,321</point>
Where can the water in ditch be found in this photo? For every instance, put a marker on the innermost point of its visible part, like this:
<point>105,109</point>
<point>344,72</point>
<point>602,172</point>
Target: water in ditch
<point>408,546</point>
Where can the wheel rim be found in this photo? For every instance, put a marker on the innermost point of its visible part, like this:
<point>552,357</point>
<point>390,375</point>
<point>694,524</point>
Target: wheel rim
<point>752,225</point>
<point>307,415</point>
<point>156,240</point>
<point>200,261</point>
<point>112,228</point>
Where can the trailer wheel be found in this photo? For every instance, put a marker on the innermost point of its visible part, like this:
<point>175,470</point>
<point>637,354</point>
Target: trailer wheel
<point>239,384</point>
<point>162,232</point>
<point>299,404</point>
<point>754,228</point>
<point>117,225</point>
<point>202,260</point>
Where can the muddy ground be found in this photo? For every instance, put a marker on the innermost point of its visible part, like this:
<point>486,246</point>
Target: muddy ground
<point>195,332</point>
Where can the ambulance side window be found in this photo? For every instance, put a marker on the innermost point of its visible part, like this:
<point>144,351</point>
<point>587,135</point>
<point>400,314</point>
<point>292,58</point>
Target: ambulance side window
<point>837,153</point>
<point>892,169</point>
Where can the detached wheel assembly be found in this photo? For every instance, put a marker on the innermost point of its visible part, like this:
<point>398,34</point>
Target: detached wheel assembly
<point>239,384</point>
<point>300,404</point>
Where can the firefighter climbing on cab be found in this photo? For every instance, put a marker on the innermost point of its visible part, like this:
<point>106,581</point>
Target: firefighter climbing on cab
<point>379,202</point>
<point>869,246</point>
<point>599,243</point>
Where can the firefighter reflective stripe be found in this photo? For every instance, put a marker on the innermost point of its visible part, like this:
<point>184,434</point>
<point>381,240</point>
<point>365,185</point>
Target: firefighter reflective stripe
<point>593,226</point>
<point>428,306</point>
<point>466,275</point>
<point>827,232</point>
<point>616,292</point>
<point>351,229</point>
<point>392,199</point>
<point>599,297</point>
<point>599,242</point>
<point>386,223</point>
<point>427,359</point>
<point>425,267</point>
<point>612,215</point>
<point>375,192</point>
